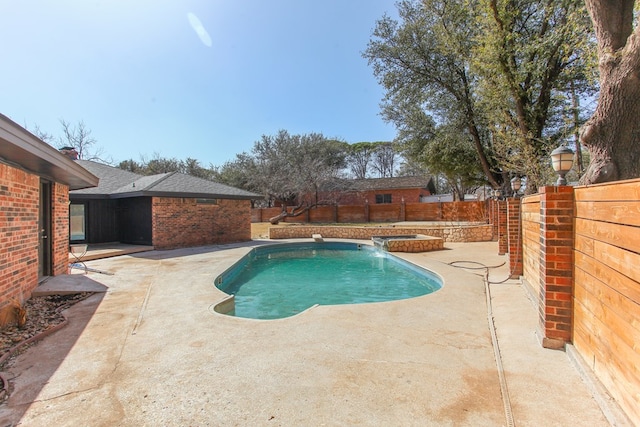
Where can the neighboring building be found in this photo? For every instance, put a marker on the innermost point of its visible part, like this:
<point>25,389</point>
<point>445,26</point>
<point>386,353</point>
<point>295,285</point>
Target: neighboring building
<point>169,210</point>
<point>35,180</point>
<point>410,189</point>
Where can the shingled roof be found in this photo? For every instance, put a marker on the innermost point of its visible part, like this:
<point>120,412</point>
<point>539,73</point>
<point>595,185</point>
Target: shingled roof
<point>373,184</point>
<point>117,183</point>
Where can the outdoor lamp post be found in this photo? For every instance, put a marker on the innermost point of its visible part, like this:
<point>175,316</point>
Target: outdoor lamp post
<point>562,160</point>
<point>516,183</point>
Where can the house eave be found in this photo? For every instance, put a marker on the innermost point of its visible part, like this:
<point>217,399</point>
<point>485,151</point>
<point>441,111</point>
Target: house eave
<point>22,149</point>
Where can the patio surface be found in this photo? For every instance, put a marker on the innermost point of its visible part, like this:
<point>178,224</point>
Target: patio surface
<point>148,350</point>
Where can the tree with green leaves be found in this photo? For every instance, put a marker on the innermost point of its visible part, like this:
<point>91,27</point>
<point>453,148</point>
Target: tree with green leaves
<point>158,164</point>
<point>424,63</point>
<point>531,54</point>
<point>291,169</point>
<point>237,173</point>
<point>498,67</point>
<point>450,153</point>
<point>612,134</point>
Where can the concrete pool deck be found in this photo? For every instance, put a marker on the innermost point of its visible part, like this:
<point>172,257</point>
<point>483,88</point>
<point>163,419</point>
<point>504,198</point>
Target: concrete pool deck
<point>150,351</point>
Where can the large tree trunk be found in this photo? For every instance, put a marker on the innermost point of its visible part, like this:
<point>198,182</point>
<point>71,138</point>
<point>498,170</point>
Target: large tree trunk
<point>612,134</point>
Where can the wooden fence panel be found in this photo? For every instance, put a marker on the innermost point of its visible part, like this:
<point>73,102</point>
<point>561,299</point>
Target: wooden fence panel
<point>607,287</point>
<point>530,211</point>
<point>620,212</point>
<point>622,190</point>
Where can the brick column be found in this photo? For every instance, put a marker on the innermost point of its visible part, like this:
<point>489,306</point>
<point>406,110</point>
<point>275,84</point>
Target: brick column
<point>403,210</point>
<point>493,215</point>
<point>501,208</point>
<point>556,265</point>
<point>514,237</point>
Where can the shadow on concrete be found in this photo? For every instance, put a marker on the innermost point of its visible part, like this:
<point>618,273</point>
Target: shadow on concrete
<point>158,254</point>
<point>66,284</point>
<point>30,372</point>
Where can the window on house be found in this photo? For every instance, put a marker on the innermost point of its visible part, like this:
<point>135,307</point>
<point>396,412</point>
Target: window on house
<point>76,222</point>
<point>207,201</point>
<point>383,198</point>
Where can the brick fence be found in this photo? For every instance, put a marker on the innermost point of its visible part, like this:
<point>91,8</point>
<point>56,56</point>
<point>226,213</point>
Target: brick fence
<point>385,212</point>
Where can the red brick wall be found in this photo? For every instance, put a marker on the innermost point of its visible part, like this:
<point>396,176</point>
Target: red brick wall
<point>352,214</point>
<point>385,212</point>
<point>424,211</point>
<point>514,237</point>
<point>322,214</point>
<point>410,195</point>
<point>19,199</point>
<point>501,207</point>
<point>182,222</point>
<point>464,211</point>
<point>60,228</point>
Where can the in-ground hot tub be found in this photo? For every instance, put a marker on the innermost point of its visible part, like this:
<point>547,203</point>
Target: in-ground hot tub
<point>408,243</point>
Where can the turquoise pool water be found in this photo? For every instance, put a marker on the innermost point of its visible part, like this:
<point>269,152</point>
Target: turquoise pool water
<point>277,281</point>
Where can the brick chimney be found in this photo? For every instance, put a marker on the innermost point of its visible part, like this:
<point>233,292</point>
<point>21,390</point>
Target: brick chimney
<point>70,152</point>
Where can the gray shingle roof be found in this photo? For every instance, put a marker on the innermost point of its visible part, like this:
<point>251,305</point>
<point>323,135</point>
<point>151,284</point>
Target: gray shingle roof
<point>110,178</point>
<point>372,184</point>
<point>118,183</point>
<point>391,183</point>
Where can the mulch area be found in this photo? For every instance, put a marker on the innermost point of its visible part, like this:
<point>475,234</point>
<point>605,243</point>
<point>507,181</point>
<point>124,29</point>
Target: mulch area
<point>43,313</point>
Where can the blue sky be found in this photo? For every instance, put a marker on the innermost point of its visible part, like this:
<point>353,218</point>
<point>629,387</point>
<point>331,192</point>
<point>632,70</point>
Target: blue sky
<point>193,78</point>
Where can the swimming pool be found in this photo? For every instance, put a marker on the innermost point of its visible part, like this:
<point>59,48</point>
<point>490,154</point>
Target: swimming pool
<point>277,281</point>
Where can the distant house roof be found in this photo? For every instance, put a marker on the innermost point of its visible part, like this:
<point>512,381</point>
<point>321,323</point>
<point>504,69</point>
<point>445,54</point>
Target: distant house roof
<point>379,184</point>
<point>117,183</point>
<point>392,183</point>
<point>20,148</point>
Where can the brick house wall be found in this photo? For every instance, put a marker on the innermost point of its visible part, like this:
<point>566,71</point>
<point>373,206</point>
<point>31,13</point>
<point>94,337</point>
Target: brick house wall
<point>410,195</point>
<point>19,200</point>
<point>183,222</point>
<point>60,229</point>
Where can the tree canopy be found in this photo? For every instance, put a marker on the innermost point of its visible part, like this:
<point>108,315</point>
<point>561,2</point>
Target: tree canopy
<point>498,72</point>
<point>285,167</point>
<point>158,164</point>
